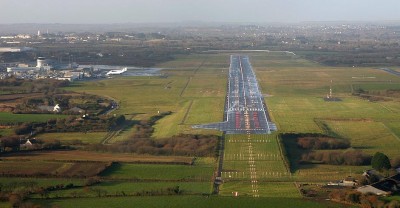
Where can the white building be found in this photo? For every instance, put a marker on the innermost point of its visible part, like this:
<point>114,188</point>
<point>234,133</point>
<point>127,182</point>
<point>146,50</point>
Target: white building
<point>71,76</point>
<point>41,62</point>
<point>14,49</point>
<point>16,70</point>
<point>9,49</point>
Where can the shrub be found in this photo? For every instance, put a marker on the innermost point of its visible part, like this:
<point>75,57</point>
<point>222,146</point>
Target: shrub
<point>380,162</point>
<point>395,162</point>
<point>322,143</point>
<point>185,145</point>
<point>350,157</point>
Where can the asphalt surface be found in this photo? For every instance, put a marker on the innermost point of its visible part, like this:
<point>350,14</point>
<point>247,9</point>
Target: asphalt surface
<point>391,71</point>
<point>245,110</point>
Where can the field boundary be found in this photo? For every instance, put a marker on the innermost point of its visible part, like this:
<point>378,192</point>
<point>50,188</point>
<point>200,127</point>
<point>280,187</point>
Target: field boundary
<point>187,113</point>
<point>191,77</point>
<point>283,156</point>
<point>186,85</point>
<point>395,136</point>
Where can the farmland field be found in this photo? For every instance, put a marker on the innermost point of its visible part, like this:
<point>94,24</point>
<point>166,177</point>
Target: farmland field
<point>48,168</point>
<point>76,155</point>
<point>134,188</point>
<point>42,181</point>
<point>160,172</point>
<point>188,201</point>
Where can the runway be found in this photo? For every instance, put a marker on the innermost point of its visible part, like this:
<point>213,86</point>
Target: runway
<point>245,110</point>
<point>391,71</point>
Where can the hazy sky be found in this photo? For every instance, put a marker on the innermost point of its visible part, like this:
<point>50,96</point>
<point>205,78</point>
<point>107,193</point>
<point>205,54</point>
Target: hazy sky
<point>138,11</point>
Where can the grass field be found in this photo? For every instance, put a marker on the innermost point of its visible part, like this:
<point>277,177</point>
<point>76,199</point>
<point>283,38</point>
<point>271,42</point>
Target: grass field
<point>7,118</point>
<point>265,189</point>
<point>113,188</point>
<point>42,181</point>
<point>6,132</point>
<point>160,172</point>
<point>296,89</point>
<point>188,201</point>
<point>182,91</point>
<point>49,168</point>
<point>76,155</point>
<point>316,172</point>
<point>369,136</point>
<point>265,151</point>
<point>249,158</point>
<point>67,138</point>
<point>125,133</point>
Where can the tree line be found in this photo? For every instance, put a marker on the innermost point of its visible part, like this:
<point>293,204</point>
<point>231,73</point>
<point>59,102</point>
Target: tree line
<point>348,157</point>
<point>180,145</point>
<point>322,143</point>
<point>141,142</point>
<point>71,124</point>
<point>30,86</point>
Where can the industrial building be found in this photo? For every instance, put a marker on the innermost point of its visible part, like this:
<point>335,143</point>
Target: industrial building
<point>14,49</point>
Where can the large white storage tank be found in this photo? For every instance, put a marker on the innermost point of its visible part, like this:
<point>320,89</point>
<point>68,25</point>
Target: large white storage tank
<point>41,62</point>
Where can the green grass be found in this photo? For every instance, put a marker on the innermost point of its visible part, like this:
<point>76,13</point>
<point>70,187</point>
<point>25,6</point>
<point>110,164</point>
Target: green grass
<point>201,172</point>
<point>52,168</point>
<point>296,104</point>
<point>197,111</point>
<point>170,125</point>
<point>297,114</point>
<point>146,96</point>
<point>6,132</point>
<point>188,201</point>
<point>267,163</point>
<point>42,181</point>
<point>132,188</point>
<point>326,173</point>
<point>369,136</point>
<point>265,189</point>
<point>298,87</point>
<point>206,110</point>
<point>29,167</point>
<point>124,134</point>
<point>316,172</point>
<point>397,198</point>
<point>394,128</point>
<point>185,187</point>
<point>6,117</point>
<point>87,138</point>
<point>5,204</point>
<point>266,153</point>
